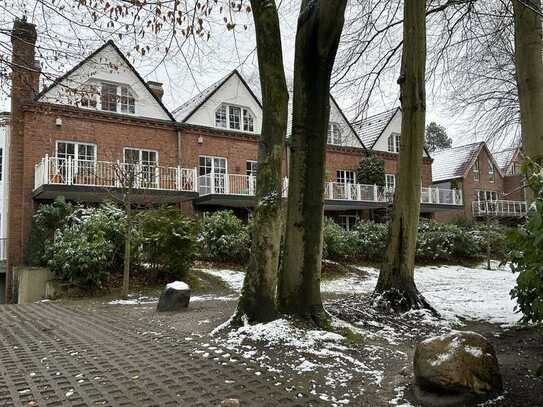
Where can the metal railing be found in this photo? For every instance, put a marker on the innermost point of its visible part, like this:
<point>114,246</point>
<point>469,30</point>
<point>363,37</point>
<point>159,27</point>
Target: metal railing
<point>339,191</point>
<point>500,208</point>
<point>438,196</point>
<point>68,171</point>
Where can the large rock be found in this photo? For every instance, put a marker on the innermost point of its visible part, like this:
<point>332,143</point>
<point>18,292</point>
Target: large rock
<point>457,364</point>
<point>175,297</point>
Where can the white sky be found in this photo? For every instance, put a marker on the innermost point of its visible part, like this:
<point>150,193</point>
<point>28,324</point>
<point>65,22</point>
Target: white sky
<point>183,77</point>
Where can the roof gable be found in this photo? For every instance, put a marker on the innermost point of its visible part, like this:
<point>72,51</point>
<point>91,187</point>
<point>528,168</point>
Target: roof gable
<point>231,89</point>
<point>371,128</point>
<point>107,64</point>
<point>505,158</point>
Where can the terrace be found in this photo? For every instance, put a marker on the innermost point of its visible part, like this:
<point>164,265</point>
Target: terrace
<point>500,209</point>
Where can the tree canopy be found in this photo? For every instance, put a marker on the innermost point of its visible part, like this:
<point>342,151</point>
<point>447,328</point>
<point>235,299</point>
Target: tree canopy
<point>436,137</point>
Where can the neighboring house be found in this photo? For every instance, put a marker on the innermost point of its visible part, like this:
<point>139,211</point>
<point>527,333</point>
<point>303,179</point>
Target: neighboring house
<point>71,138</point>
<point>473,169</point>
<point>510,163</point>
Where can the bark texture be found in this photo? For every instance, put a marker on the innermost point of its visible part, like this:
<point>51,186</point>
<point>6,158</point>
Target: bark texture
<point>396,288</point>
<point>320,24</point>
<point>258,296</point>
<point>529,70</point>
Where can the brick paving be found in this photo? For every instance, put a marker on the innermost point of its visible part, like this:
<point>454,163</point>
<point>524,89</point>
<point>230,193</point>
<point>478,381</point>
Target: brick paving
<point>53,356</point>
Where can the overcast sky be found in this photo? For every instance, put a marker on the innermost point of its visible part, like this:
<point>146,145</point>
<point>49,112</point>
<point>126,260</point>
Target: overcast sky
<point>200,65</point>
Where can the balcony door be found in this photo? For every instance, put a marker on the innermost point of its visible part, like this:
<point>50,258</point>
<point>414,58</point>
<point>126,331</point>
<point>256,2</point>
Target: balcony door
<point>212,172</point>
<point>143,165</point>
<point>345,188</point>
<point>75,159</point>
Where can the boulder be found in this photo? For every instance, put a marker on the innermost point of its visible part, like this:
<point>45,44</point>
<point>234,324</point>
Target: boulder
<point>455,365</point>
<point>175,297</point>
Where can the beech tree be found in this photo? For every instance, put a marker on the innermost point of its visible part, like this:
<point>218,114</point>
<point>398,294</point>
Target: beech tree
<point>258,297</point>
<point>396,289</point>
<point>320,24</point>
<point>529,74</point>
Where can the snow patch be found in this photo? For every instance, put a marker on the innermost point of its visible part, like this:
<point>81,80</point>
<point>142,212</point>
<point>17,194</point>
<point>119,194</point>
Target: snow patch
<point>234,279</point>
<point>178,286</point>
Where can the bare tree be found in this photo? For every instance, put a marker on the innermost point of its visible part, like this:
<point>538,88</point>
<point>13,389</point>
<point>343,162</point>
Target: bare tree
<point>320,24</point>
<point>258,297</point>
<point>396,287</point>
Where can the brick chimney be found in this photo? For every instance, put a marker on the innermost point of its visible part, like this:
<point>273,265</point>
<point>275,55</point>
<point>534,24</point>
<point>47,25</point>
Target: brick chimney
<point>156,88</point>
<point>24,85</point>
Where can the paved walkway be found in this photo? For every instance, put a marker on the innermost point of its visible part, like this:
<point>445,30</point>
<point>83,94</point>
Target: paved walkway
<point>53,356</point>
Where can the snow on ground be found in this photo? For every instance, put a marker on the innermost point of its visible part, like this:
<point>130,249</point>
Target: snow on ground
<point>134,299</point>
<point>234,279</point>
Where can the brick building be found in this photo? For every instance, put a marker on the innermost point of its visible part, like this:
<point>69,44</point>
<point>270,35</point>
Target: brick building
<point>72,138</point>
<point>488,185</point>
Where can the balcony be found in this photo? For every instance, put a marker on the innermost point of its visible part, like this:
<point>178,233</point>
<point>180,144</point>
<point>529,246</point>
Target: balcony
<point>500,209</point>
<point>89,180</point>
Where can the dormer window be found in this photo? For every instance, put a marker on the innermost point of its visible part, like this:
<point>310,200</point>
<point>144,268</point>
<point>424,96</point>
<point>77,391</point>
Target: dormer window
<point>394,143</point>
<point>232,117</point>
<point>334,134</point>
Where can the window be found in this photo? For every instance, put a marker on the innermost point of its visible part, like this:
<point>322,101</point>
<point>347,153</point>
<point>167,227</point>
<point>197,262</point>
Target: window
<point>128,102</point>
<point>491,172</point>
<point>139,156</point>
<point>334,134</point>
<point>481,195</point>
<point>220,116</point>
<point>347,222</point>
<point>88,96</point>
<point>476,171</point>
<point>394,143</point>
<point>248,121</point>
<point>83,154</point>
<point>251,168</point>
<point>232,117</point>
<point>390,181</point>
<point>345,176</point>
<point>108,97</point>
<point>212,165</point>
<point>146,175</point>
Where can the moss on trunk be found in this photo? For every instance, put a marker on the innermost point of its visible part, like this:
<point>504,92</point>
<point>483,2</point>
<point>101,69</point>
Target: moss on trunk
<point>319,29</point>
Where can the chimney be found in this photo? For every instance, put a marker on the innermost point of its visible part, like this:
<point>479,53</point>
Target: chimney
<point>156,88</point>
<point>25,69</point>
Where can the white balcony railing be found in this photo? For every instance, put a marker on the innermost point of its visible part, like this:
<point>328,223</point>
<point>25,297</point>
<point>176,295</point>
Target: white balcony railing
<point>68,171</point>
<point>339,191</point>
<point>231,184</point>
<point>438,196</point>
<point>500,208</point>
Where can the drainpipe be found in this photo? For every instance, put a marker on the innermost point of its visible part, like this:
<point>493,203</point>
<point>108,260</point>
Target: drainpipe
<point>178,131</point>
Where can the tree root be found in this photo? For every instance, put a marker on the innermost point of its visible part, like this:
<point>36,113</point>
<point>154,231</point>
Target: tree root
<point>400,301</point>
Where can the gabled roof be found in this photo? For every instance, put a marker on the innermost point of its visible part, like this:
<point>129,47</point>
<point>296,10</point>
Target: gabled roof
<point>371,128</point>
<point>505,157</point>
<point>348,123</point>
<point>187,109</point>
<point>455,162</point>
<point>91,56</point>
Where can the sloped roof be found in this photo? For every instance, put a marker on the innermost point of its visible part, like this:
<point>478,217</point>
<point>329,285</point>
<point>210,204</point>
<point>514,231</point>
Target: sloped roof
<point>187,109</point>
<point>505,157</point>
<point>90,57</point>
<point>453,162</point>
<point>371,128</point>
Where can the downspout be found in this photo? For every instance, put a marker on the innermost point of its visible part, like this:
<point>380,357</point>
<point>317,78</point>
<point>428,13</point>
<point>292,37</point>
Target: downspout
<point>178,131</point>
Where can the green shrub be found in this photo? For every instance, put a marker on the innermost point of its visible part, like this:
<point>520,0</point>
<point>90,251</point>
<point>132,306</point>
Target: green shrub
<point>526,253</point>
<point>46,220</point>
<point>224,237</point>
<point>170,239</point>
<point>81,254</point>
<point>338,243</point>
<point>372,240</point>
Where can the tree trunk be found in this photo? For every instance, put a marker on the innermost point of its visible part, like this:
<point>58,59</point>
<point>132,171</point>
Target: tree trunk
<point>396,288</point>
<point>257,300</point>
<point>127,250</point>
<point>529,73</point>
<point>320,24</point>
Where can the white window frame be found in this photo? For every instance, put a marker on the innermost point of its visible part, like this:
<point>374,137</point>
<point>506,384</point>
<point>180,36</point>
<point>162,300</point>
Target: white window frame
<point>491,172</point>
<point>243,110</point>
<point>92,91</point>
<point>489,196</point>
<point>213,158</point>
<point>393,143</point>
<point>342,178</point>
<point>76,148</point>
<point>335,134</point>
<point>140,151</point>
<point>477,170</point>
<point>388,184</point>
<point>252,171</point>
